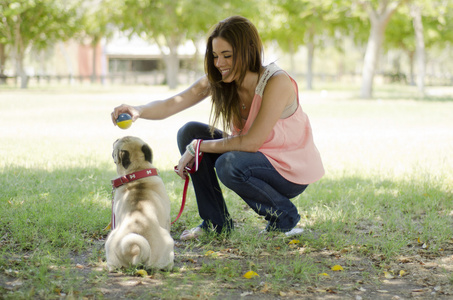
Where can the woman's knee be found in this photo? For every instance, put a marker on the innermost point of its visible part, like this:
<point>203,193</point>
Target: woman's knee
<point>227,169</point>
<point>187,133</point>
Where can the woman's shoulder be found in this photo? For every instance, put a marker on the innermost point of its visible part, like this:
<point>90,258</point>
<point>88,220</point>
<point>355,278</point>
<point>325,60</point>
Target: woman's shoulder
<point>272,73</point>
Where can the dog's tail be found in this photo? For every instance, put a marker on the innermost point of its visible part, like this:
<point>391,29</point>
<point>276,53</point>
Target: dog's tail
<point>135,249</point>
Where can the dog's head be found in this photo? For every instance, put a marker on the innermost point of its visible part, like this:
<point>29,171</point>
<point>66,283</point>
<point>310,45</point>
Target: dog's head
<point>131,154</point>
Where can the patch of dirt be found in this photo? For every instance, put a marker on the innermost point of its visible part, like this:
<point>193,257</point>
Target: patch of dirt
<point>423,275</point>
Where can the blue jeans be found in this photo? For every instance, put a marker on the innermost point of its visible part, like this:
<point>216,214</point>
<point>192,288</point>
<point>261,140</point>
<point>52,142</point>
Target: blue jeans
<point>250,175</point>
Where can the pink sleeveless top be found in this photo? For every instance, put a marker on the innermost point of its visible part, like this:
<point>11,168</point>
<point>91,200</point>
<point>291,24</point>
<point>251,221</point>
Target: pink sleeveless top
<point>289,147</point>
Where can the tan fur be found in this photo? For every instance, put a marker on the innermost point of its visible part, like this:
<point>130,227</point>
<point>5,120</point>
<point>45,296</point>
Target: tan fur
<point>142,212</point>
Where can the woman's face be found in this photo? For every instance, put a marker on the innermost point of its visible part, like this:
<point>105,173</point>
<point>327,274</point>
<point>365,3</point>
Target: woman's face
<point>223,58</point>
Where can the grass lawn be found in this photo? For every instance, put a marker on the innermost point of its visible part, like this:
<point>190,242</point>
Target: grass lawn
<point>382,214</point>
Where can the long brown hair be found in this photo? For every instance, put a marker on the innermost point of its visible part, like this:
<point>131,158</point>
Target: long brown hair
<point>243,37</point>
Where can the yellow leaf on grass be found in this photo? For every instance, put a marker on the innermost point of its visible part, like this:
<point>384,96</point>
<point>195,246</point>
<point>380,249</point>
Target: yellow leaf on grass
<point>388,275</point>
<point>142,273</point>
<point>108,227</point>
<point>402,273</point>
<point>337,268</point>
<point>208,253</point>
<point>250,274</point>
<point>294,242</point>
<point>324,275</point>
<point>419,241</point>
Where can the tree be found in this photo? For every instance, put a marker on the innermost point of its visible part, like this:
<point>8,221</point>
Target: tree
<point>169,23</point>
<point>379,13</point>
<point>97,24</point>
<point>309,23</point>
<point>434,30</point>
<point>37,23</point>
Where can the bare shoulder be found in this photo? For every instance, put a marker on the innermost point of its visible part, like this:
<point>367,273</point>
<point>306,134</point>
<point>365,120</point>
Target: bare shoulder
<point>279,84</point>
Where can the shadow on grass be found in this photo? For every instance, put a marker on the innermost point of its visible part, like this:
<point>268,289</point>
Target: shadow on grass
<point>359,223</point>
<point>59,208</point>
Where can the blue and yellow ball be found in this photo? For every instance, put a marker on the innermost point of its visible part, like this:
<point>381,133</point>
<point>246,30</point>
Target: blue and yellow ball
<point>124,121</point>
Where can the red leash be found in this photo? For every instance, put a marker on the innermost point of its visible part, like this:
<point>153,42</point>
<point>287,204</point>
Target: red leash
<point>198,157</point>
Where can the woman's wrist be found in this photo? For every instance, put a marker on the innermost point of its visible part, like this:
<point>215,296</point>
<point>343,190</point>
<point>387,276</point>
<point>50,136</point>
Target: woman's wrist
<point>193,147</point>
<point>139,109</point>
<point>190,149</point>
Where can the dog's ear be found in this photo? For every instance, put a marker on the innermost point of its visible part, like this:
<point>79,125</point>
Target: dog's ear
<point>148,153</point>
<point>124,158</point>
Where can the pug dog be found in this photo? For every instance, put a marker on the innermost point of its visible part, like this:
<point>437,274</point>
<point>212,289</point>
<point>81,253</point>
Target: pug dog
<point>141,210</point>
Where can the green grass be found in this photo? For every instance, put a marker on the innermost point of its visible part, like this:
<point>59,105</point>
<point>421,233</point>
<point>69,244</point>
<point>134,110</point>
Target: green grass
<point>388,186</point>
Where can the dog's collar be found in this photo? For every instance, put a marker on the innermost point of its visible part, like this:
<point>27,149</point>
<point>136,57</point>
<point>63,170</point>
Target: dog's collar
<point>133,176</point>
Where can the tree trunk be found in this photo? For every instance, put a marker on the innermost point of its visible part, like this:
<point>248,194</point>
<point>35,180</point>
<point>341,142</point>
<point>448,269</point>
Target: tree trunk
<point>21,71</point>
<point>411,67</point>
<point>18,53</point>
<point>419,47</point>
<point>371,59</point>
<point>172,63</point>
<point>379,19</point>
<point>2,64</point>
<point>310,58</point>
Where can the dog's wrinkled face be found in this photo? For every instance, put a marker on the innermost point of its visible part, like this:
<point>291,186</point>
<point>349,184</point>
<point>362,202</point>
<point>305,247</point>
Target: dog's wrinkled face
<point>131,154</point>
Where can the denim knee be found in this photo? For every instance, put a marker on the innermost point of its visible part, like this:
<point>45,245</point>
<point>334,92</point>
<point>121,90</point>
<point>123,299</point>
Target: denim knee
<point>186,134</point>
<point>226,168</point>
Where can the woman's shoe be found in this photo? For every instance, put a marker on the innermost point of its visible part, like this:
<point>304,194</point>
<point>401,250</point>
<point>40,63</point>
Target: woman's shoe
<point>294,232</point>
<point>191,234</point>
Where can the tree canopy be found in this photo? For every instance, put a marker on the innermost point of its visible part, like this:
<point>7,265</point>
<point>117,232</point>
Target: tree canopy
<point>293,24</point>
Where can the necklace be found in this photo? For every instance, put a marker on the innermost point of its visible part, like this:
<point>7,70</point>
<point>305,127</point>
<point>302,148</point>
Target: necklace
<point>243,106</point>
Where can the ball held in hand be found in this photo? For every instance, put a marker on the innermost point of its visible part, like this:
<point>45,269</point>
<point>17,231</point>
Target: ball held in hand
<point>124,121</point>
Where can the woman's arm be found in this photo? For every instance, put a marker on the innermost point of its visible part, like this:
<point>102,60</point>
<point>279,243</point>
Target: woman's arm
<point>161,109</point>
<point>279,93</point>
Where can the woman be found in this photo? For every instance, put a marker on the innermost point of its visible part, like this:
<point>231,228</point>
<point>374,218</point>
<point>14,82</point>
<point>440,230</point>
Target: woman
<point>269,156</point>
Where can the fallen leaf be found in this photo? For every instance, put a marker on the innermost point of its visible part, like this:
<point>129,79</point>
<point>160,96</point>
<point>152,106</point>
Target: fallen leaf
<point>250,274</point>
<point>419,241</point>
<point>108,227</point>
<point>388,275</point>
<point>142,273</point>
<point>265,288</point>
<point>402,273</point>
<point>79,266</point>
<point>294,242</point>
<point>324,275</point>
<point>337,268</point>
<point>209,253</point>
